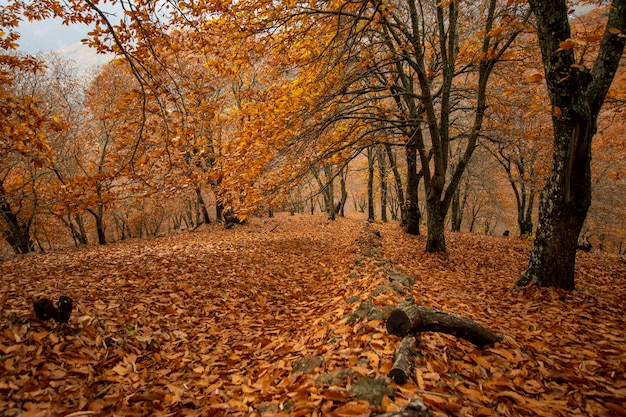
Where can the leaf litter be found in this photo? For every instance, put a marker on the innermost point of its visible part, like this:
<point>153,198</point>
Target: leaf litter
<point>256,321</point>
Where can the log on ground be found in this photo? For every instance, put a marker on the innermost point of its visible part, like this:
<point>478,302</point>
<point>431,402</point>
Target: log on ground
<point>412,318</point>
<point>402,368</point>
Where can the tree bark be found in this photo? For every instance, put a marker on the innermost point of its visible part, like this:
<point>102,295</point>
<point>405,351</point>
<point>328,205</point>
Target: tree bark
<point>344,191</point>
<point>370,184</point>
<point>457,214</point>
<point>18,233</point>
<point>98,216</point>
<point>576,96</point>
<point>412,211</point>
<point>413,319</point>
<point>382,172</point>
<point>435,221</point>
<point>525,216</point>
<point>329,192</point>
<point>203,209</point>
<point>402,368</point>
<point>78,230</point>
<point>398,183</point>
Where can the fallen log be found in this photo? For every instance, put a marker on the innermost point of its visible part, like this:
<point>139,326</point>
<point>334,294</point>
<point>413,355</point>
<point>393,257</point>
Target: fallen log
<point>402,368</point>
<point>412,318</point>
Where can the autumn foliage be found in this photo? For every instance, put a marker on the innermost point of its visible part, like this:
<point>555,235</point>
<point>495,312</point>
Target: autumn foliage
<point>259,107</point>
<point>191,157</point>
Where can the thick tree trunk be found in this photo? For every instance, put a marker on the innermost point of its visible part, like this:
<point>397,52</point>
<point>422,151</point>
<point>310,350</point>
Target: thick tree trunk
<point>564,203</point>
<point>18,233</point>
<point>576,96</point>
<point>413,319</point>
<point>435,221</point>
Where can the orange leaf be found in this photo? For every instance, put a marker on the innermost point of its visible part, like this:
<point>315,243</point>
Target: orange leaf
<point>566,44</point>
<point>354,408</point>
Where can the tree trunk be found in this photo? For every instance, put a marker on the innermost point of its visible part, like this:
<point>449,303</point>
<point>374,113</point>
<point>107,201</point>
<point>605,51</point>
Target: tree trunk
<point>382,172</point>
<point>412,211</point>
<point>435,221</point>
<point>203,210</point>
<point>398,182</point>
<point>525,217</point>
<point>576,96</point>
<point>344,191</point>
<point>329,192</point>
<point>78,230</point>
<point>100,229</point>
<point>219,210</point>
<point>370,185</point>
<point>18,233</point>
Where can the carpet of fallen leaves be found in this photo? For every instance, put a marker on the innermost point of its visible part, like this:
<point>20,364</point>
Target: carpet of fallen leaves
<point>213,322</point>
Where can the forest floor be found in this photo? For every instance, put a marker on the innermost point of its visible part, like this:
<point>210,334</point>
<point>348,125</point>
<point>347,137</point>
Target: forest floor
<point>255,321</point>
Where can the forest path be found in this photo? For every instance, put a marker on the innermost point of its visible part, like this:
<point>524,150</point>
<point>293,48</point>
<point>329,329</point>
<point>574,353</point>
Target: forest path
<point>212,317</point>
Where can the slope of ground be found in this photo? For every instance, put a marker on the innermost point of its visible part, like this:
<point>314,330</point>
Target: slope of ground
<point>564,353</point>
<point>215,322</point>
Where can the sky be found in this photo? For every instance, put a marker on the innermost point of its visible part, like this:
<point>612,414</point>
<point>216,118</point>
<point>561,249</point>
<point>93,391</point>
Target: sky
<point>49,35</point>
<point>52,36</point>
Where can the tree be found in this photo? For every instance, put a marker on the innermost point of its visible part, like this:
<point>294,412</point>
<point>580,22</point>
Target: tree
<point>421,73</point>
<point>24,147</point>
<point>576,94</point>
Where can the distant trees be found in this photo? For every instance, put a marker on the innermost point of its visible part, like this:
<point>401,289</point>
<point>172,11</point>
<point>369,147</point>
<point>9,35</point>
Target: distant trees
<point>262,105</point>
<point>418,72</point>
<point>517,133</point>
<point>26,124</point>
